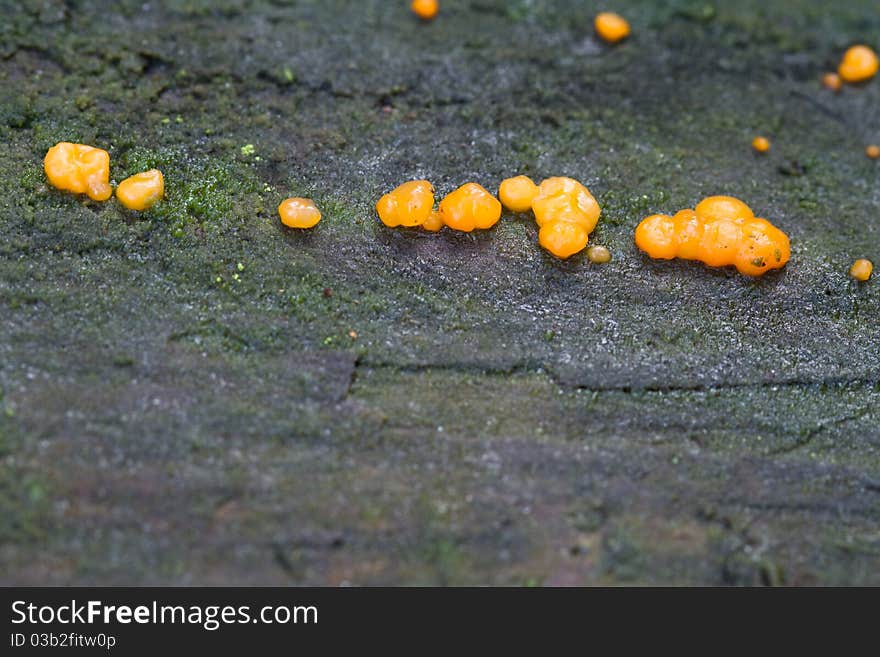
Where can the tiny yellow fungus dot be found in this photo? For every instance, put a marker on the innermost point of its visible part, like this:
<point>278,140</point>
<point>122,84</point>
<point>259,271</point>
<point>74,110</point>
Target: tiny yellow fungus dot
<point>79,169</point>
<point>141,191</point>
<point>761,144</point>
<point>611,27</point>
<point>299,212</point>
<point>408,205</point>
<point>832,81</point>
<point>469,207</point>
<point>434,222</point>
<point>859,63</point>
<point>567,213</point>
<point>425,9</point>
<point>516,193</point>
<point>872,151</point>
<point>861,269</point>
<point>353,335</point>
<point>598,255</point>
<point>720,231</point>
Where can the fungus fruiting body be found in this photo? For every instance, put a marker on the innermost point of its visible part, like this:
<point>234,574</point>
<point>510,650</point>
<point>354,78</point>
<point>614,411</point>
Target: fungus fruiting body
<point>141,191</point>
<point>872,151</point>
<point>859,64</point>
<point>408,205</point>
<point>832,81</point>
<point>598,255</point>
<point>567,213</point>
<point>470,207</point>
<point>861,270</point>
<point>299,212</point>
<point>425,9</point>
<point>80,169</point>
<point>611,27</point>
<point>720,231</point>
<point>516,194</point>
<point>761,144</point>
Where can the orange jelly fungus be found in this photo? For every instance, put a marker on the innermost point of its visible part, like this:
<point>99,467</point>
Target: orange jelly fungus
<point>720,231</point>
<point>409,204</point>
<point>79,169</point>
<point>299,212</point>
<point>425,9</point>
<point>861,270</point>
<point>142,190</point>
<point>611,27</point>
<point>434,222</point>
<point>516,193</point>
<point>567,213</point>
<point>859,63</point>
<point>761,144</point>
<point>872,151</point>
<point>832,81</point>
<point>469,207</point>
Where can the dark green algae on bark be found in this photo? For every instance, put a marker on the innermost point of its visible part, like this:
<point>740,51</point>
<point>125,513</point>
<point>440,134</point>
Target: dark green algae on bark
<point>181,397</point>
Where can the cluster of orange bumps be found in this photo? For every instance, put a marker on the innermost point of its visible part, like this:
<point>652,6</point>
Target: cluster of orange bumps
<point>719,231</point>
<point>83,169</point>
<point>564,209</point>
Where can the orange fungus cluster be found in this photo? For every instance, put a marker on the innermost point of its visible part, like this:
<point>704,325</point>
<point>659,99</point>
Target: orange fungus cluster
<point>408,205</point>
<point>425,9</point>
<point>80,169</point>
<point>611,27</point>
<point>411,204</point>
<point>297,212</point>
<point>469,207</point>
<point>142,190</point>
<point>859,64</point>
<point>566,213</point>
<point>720,231</point>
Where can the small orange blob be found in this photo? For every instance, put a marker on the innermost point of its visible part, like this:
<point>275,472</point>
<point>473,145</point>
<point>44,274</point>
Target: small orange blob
<point>80,169</point>
<point>409,204</point>
<point>611,27</point>
<point>761,144</point>
<point>516,193</point>
<point>598,255</point>
<point>720,231</point>
<point>469,207</point>
<point>299,212</point>
<point>859,63</point>
<point>861,270</point>
<point>141,191</point>
<point>567,213</point>
<point>832,81</point>
<point>434,222</point>
<point>872,151</point>
<point>425,9</point>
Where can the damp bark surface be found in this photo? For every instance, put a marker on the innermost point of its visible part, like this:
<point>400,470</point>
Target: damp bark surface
<point>197,395</point>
